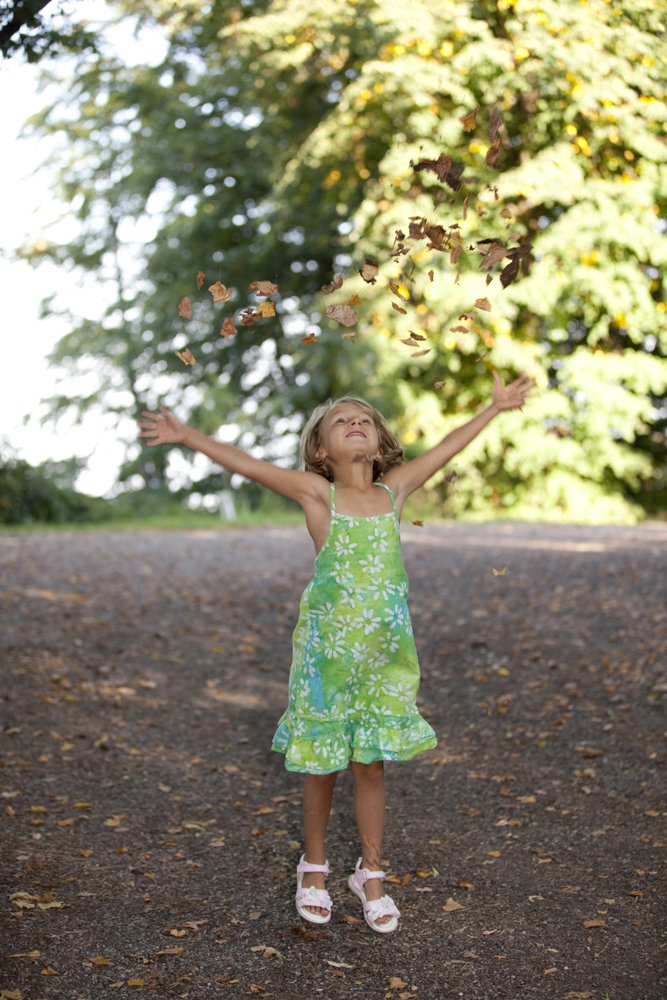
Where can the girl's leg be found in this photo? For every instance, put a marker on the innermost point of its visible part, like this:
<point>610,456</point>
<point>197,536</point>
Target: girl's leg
<point>317,794</point>
<point>369,802</point>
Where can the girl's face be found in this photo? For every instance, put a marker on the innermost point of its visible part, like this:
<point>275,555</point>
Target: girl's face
<point>349,434</point>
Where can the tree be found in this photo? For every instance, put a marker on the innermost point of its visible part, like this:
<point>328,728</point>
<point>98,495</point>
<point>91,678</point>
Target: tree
<point>25,30</point>
<point>278,141</point>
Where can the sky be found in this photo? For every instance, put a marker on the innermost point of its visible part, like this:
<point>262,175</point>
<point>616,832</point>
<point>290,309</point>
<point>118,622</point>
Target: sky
<point>28,210</point>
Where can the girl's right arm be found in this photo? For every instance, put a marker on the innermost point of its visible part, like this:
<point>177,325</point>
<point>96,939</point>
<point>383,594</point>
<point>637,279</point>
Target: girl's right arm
<point>303,487</point>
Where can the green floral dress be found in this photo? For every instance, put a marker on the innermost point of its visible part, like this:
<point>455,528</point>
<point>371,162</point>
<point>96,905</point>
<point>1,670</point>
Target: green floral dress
<point>355,673</point>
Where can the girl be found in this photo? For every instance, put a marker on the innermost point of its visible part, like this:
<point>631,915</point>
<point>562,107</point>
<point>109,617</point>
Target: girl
<point>354,674</point>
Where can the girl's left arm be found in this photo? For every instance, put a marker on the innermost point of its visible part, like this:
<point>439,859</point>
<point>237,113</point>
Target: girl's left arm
<point>407,478</point>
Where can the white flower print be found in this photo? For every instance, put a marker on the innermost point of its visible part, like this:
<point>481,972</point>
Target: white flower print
<point>310,664</point>
<point>389,641</point>
<point>385,590</point>
<point>373,564</point>
<point>360,651</point>
<point>333,645</point>
<point>303,689</point>
<point>348,597</point>
<point>395,616</point>
<point>342,575</point>
<point>401,691</point>
<point>376,685</point>
<point>367,621</point>
<point>378,540</point>
<point>345,546</point>
<point>378,660</point>
<point>344,623</point>
<point>320,747</point>
<point>324,611</point>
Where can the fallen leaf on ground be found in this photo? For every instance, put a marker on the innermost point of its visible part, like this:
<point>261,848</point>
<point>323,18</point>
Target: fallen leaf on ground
<point>483,304</point>
<point>396,983</point>
<point>499,572</point>
<point>135,982</point>
<point>263,287</point>
<point>218,842</point>
<point>339,965</point>
<point>11,995</point>
<point>594,923</point>
<point>200,280</point>
<point>294,844</point>
<point>342,314</point>
<point>99,960</point>
<point>420,524</point>
<point>185,307</point>
<point>422,872</point>
<point>255,915</point>
<point>220,292</point>
<point>55,905</point>
<point>467,885</point>
<point>549,972</point>
<point>334,286</point>
<point>452,905</point>
<point>65,822</point>
<point>310,339</point>
<point>48,971</point>
<point>468,121</point>
<point>369,271</point>
<point>186,356</point>
<point>169,951</point>
<point>579,996</point>
<point>115,986</point>
<point>163,787</point>
<point>266,309</point>
<point>34,954</point>
<point>351,920</point>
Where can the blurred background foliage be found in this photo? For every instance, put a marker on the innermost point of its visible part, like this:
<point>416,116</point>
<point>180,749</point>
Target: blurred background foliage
<point>274,142</point>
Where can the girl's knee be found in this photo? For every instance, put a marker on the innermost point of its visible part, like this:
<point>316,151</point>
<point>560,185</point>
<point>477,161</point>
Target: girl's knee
<point>322,780</point>
<point>372,774</point>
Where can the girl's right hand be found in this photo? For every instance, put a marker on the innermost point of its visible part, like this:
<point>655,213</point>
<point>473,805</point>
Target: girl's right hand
<point>164,429</point>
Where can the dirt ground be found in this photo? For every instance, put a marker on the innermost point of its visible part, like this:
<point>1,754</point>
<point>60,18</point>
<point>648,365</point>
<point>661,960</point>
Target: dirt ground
<point>150,835</point>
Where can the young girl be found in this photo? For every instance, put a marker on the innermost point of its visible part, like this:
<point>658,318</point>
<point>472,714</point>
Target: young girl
<point>354,674</point>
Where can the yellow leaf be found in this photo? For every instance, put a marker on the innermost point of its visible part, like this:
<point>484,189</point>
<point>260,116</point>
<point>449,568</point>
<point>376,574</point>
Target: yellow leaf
<point>395,982</point>
<point>48,971</point>
<point>354,300</point>
<point>162,787</point>
<point>266,309</point>
<point>499,572</point>
<point>135,982</point>
<point>81,805</point>
<point>451,905</point>
<point>231,768</point>
<point>99,960</point>
<point>220,292</point>
<point>54,905</point>
<point>32,954</point>
<point>339,965</point>
<point>294,844</point>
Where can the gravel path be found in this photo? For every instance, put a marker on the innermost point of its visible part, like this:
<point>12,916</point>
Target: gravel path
<point>151,836</point>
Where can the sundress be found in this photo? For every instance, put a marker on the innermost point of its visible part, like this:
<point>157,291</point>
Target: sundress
<point>355,673</point>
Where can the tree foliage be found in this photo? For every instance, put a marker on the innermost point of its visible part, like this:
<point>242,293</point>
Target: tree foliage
<point>26,30</point>
<point>275,142</point>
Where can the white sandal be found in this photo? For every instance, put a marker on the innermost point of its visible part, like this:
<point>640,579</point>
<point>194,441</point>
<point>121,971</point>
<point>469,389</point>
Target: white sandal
<point>374,909</point>
<point>312,896</point>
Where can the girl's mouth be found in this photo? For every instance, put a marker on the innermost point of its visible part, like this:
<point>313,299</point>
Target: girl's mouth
<point>356,434</point>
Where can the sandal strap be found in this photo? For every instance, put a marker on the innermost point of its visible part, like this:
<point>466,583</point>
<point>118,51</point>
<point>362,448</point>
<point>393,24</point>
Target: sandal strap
<point>382,907</point>
<point>305,866</point>
<point>314,897</point>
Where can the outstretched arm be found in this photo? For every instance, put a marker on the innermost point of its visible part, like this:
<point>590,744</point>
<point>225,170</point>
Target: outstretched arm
<point>407,478</point>
<point>165,428</point>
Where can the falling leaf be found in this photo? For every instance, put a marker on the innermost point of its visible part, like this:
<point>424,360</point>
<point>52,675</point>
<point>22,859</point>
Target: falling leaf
<point>200,280</point>
<point>499,572</point>
<point>455,255</point>
<point>420,524</point>
<point>439,385</point>
<point>163,787</point>
<point>250,316</point>
<point>492,253</point>
<point>369,271</point>
<point>419,354</point>
<point>351,920</point>
<point>220,292</point>
<point>185,308</point>
<point>410,342</point>
<point>451,905</point>
<point>451,477</point>
<point>430,275</point>
<point>263,287</point>
<point>483,304</point>
<point>468,121</point>
<point>36,954</point>
<point>227,328</point>
<point>310,339</point>
<point>456,279</point>
<point>395,982</point>
<point>446,170</point>
<point>465,207</point>
<point>186,356</point>
<point>459,329</point>
<point>398,309</point>
<point>495,121</point>
<point>334,286</point>
<point>594,923</point>
<point>342,314</point>
<point>348,336</point>
<point>354,301</point>
<point>266,309</point>
<point>510,272</point>
<point>339,965</point>
<point>514,236</point>
<point>493,153</point>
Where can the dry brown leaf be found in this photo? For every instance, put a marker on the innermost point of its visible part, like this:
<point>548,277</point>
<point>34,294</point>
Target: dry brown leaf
<point>342,314</point>
<point>398,309</point>
<point>162,787</point>
<point>420,524</point>
<point>410,342</point>
<point>495,121</point>
<point>578,995</point>
<point>451,905</point>
<point>470,315</point>
<point>169,951</point>
<point>514,236</point>
<point>547,972</point>
<point>310,339</point>
<point>422,872</point>
<point>227,329</point>
<point>185,308</point>
<point>483,304</point>
<point>417,336</point>
<point>594,923</point>
<point>439,385</point>
<point>186,356</point>
<point>200,280</point>
<point>48,971</point>
<point>263,287</point>
<point>396,289</point>
<point>266,309</point>
<point>250,316</point>
<point>489,279</point>
<point>135,982</point>
<point>100,960</point>
<point>465,207</point>
<point>430,275</point>
<point>354,300</point>
<point>505,213</point>
<point>339,965</point>
<point>468,121</point>
<point>455,255</point>
<point>492,253</point>
<point>36,954</point>
<point>396,983</point>
<point>348,336</point>
<point>456,279</point>
<point>510,272</point>
<point>369,271</point>
<point>459,329</point>
<point>446,170</point>
<point>351,920</point>
<point>493,153</point>
<point>419,354</point>
<point>334,286</point>
<point>220,292</point>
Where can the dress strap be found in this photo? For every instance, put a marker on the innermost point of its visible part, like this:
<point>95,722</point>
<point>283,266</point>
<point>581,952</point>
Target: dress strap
<point>390,494</point>
<point>332,502</point>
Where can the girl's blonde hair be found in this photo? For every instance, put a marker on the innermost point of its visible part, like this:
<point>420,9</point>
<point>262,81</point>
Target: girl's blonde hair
<point>392,453</point>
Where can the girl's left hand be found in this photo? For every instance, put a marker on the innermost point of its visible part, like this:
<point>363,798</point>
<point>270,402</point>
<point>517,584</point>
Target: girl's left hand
<point>513,396</point>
